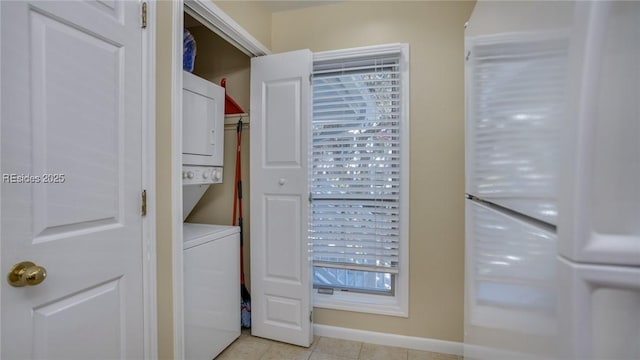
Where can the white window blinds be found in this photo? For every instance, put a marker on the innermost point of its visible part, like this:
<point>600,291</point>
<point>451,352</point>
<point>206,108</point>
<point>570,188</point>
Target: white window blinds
<point>355,163</point>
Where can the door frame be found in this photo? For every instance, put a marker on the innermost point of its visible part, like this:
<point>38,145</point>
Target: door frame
<point>149,275</point>
<point>211,16</point>
<point>148,143</point>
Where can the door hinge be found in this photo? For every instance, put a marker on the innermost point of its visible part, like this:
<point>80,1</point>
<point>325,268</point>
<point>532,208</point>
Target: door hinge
<point>310,197</point>
<point>144,15</point>
<point>310,316</point>
<point>310,79</point>
<point>144,203</point>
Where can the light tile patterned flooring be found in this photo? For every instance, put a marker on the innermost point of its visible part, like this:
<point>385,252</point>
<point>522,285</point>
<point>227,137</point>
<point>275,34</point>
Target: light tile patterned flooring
<point>248,347</point>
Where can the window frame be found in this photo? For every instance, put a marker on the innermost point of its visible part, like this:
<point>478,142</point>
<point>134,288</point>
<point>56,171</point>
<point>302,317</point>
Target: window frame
<point>398,303</point>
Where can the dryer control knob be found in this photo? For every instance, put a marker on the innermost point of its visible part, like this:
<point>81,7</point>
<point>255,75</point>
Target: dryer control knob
<point>205,175</point>
<point>216,175</point>
<point>190,174</point>
<point>184,174</point>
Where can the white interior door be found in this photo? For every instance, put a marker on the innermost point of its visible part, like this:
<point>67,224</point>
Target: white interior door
<point>72,106</point>
<point>598,314</point>
<point>281,274</point>
<point>600,168</point>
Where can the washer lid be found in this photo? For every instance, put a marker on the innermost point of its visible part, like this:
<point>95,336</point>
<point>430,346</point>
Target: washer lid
<point>196,234</point>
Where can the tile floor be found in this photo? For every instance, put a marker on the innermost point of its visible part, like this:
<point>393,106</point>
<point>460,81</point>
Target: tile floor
<point>248,347</point>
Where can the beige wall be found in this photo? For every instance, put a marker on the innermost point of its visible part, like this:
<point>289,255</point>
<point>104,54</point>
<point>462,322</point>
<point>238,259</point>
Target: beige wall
<point>434,31</point>
<point>163,180</point>
<point>253,16</point>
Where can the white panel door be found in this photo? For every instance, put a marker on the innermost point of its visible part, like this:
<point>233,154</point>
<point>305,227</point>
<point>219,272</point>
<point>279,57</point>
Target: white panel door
<point>71,166</point>
<point>599,192</point>
<point>599,315</point>
<point>280,267</point>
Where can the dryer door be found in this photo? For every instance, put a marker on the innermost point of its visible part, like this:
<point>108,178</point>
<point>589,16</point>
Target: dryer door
<point>202,121</point>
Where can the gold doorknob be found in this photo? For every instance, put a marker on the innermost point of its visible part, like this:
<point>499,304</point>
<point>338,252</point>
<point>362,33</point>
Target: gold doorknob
<point>26,273</point>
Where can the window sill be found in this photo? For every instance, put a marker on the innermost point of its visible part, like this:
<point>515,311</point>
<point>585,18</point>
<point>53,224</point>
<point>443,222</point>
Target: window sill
<point>364,303</point>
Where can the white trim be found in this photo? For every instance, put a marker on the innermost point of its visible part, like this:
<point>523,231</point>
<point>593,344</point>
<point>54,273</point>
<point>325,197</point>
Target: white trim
<point>362,51</point>
<point>176,180</point>
<point>379,338</point>
<point>149,184</point>
<point>403,277</point>
<point>211,16</point>
<point>360,302</point>
<point>397,305</point>
<point>1,120</point>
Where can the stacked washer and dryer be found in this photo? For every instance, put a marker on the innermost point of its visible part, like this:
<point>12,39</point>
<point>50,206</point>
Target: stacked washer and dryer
<point>211,252</point>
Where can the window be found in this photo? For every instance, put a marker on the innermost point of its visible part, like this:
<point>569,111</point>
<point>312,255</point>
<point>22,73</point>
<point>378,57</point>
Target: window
<point>358,174</point>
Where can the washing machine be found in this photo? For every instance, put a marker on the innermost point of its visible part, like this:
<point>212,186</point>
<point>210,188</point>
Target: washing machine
<point>211,289</point>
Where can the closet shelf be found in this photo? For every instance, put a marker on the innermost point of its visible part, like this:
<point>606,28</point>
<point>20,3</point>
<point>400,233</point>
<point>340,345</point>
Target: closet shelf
<point>232,119</point>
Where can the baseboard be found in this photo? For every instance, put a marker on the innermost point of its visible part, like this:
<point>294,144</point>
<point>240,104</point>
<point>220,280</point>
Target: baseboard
<point>372,337</point>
